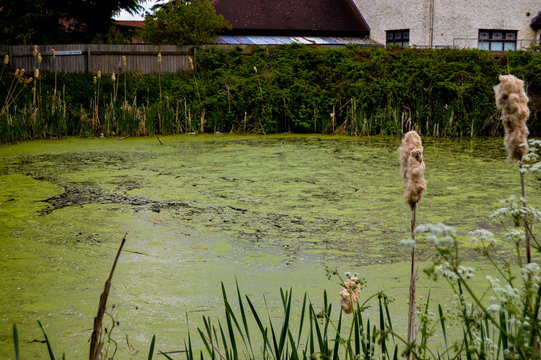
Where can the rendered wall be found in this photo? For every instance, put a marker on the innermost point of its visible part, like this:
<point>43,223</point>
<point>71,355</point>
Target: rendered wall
<point>451,19</point>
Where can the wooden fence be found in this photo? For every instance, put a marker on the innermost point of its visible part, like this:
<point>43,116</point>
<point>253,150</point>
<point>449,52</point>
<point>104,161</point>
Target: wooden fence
<point>80,58</point>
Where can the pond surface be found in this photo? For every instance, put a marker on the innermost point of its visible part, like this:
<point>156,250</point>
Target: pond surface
<point>269,211</point>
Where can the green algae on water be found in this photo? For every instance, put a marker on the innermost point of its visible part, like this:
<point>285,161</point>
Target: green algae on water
<point>271,211</point>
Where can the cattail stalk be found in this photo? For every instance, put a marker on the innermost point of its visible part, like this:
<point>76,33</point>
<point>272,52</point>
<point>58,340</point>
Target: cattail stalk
<point>512,101</point>
<point>160,86</point>
<point>192,68</point>
<point>412,168</point>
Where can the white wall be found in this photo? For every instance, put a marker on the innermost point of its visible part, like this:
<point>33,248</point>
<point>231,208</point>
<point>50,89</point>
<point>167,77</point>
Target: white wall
<point>452,19</point>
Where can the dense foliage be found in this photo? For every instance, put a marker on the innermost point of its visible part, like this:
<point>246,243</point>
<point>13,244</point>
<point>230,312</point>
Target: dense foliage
<point>58,22</point>
<point>183,22</point>
<point>291,88</point>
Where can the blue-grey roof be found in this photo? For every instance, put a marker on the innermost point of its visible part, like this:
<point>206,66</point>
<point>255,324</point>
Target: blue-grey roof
<point>278,40</point>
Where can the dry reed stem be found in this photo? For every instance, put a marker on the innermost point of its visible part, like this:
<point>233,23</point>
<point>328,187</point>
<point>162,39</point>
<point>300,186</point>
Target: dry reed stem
<point>95,344</point>
<point>512,101</point>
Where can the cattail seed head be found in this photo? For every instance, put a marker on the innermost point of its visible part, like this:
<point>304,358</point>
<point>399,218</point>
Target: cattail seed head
<point>412,167</point>
<point>95,80</point>
<point>17,72</point>
<point>36,73</point>
<point>255,69</point>
<point>99,74</point>
<point>159,57</point>
<point>113,77</point>
<point>512,101</point>
<point>40,59</point>
<point>53,52</point>
<point>27,81</point>
<point>35,52</point>
<point>123,60</point>
<point>22,72</point>
<point>6,59</point>
<point>191,62</point>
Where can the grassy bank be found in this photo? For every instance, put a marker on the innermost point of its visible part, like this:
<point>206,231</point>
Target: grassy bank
<point>351,90</point>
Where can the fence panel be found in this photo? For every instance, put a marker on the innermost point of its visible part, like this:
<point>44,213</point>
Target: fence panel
<point>78,58</point>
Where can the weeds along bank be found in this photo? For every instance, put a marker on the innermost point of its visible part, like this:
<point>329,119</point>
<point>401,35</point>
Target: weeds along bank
<point>290,88</point>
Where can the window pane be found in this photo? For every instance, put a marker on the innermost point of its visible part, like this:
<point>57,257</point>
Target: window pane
<point>510,36</point>
<point>483,45</point>
<point>496,46</point>
<point>497,36</point>
<point>406,35</point>
<point>389,35</point>
<point>398,36</point>
<point>509,46</point>
<point>483,35</point>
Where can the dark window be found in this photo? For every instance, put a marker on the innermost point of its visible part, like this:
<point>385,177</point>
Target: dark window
<point>497,40</point>
<point>398,37</point>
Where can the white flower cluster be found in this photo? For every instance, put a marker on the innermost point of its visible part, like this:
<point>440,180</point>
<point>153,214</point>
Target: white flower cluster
<point>511,207</point>
<point>531,271</point>
<point>503,294</point>
<point>482,235</point>
<point>532,160</point>
<point>515,236</point>
<point>439,235</point>
<point>407,244</point>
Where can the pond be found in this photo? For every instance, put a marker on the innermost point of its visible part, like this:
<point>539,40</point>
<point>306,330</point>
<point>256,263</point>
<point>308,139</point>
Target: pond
<point>268,211</point>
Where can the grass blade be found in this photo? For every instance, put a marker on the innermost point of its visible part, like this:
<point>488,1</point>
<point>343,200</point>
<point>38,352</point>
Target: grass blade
<point>244,321</point>
<point>166,356</point>
<point>51,355</point>
<point>262,329</point>
<point>442,322</point>
<point>302,318</point>
<point>337,338</point>
<point>16,341</point>
<point>151,350</point>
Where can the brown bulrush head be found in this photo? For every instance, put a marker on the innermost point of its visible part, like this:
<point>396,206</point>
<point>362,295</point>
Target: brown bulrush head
<point>512,101</point>
<point>350,294</point>
<point>412,167</point>
<point>6,59</point>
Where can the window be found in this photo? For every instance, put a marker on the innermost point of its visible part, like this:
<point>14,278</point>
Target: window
<point>497,40</point>
<point>398,37</point>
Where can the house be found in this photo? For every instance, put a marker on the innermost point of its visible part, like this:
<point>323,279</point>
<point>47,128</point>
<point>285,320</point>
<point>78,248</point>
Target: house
<point>320,22</point>
<point>484,24</point>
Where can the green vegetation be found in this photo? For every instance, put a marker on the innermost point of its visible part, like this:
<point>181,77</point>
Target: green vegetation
<point>59,21</point>
<point>183,22</point>
<point>352,90</point>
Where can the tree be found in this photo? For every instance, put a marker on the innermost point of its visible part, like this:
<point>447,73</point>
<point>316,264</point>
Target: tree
<point>59,21</point>
<point>182,22</point>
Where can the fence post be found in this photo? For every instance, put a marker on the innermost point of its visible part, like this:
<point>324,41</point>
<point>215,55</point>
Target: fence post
<point>88,59</point>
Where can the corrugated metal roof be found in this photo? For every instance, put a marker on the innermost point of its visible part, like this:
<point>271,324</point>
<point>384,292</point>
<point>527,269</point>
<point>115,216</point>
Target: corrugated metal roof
<point>279,40</point>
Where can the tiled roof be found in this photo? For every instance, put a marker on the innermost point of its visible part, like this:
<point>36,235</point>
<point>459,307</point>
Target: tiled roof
<point>293,17</point>
<point>133,23</point>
